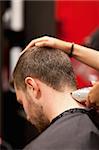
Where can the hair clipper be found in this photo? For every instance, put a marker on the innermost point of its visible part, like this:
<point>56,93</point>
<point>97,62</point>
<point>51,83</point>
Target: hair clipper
<point>80,95</point>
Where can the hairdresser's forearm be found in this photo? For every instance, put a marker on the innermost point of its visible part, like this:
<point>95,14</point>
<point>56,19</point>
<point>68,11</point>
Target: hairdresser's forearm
<point>87,56</point>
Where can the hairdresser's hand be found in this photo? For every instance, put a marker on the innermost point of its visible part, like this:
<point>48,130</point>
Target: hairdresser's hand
<point>93,96</point>
<point>50,42</point>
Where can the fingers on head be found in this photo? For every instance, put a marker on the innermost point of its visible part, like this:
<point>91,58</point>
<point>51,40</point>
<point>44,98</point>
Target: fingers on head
<point>39,42</point>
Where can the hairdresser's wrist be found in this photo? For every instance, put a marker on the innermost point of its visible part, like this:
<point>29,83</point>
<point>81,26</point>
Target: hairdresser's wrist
<point>69,48</point>
<point>74,50</point>
<point>66,47</point>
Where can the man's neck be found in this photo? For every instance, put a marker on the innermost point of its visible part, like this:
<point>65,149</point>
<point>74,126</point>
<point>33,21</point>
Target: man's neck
<point>62,103</point>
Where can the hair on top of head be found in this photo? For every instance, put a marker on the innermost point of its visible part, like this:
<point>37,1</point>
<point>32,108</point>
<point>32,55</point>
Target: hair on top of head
<point>49,65</point>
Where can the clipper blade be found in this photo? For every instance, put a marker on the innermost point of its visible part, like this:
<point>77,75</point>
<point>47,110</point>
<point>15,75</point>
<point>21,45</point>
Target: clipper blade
<point>80,95</point>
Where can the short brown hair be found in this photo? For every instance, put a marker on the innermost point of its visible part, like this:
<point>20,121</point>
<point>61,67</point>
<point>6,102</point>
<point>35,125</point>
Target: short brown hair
<point>49,65</point>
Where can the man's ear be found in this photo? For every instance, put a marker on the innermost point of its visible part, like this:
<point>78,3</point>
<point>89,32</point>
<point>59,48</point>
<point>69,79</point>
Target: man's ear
<point>32,85</point>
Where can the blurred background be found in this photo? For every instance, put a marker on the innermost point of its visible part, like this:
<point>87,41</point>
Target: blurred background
<point>22,21</point>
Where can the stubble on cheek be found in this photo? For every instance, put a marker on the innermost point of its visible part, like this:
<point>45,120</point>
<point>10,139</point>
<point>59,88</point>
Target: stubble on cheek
<point>37,117</point>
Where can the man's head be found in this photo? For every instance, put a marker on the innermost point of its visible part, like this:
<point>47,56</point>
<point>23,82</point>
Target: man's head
<point>51,66</point>
<point>36,69</point>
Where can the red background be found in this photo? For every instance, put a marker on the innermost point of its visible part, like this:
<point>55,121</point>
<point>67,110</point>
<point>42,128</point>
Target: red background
<point>75,21</point>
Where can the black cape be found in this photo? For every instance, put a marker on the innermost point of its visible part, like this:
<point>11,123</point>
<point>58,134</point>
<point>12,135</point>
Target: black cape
<point>75,129</point>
